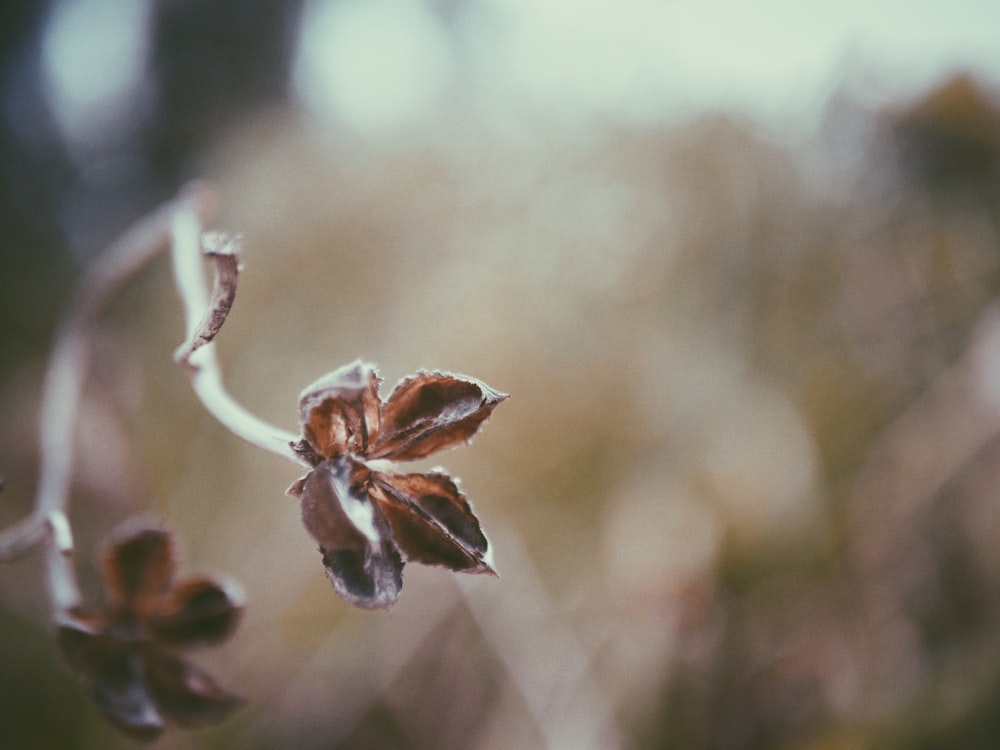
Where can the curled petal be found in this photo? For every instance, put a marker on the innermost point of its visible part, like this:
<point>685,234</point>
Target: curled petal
<point>185,694</point>
<point>432,521</point>
<point>197,610</point>
<point>113,673</point>
<point>360,558</point>
<point>431,411</point>
<point>138,565</point>
<point>340,411</point>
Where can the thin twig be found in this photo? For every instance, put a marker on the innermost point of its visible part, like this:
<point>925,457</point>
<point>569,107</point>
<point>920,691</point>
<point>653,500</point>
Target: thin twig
<point>205,317</point>
<point>63,390</point>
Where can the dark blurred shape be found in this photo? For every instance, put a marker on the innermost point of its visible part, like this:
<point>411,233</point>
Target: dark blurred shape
<point>950,139</point>
<point>214,65</point>
<point>127,653</point>
<point>35,688</point>
<point>34,170</point>
<point>976,730</point>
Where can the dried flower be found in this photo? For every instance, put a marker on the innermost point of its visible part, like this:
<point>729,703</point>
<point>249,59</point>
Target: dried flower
<point>127,652</point>
<point>367,518</point>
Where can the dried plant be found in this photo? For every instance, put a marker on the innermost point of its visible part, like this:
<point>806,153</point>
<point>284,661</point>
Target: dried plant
<point>366,518</point>
<point>127,652</point>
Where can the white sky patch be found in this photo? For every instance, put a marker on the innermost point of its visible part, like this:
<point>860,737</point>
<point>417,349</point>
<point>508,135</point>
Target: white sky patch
<point>385,62</point>
<point>590,54</point>
<point>94,64</point>
<point>376,65</point>
<point>651,57</point>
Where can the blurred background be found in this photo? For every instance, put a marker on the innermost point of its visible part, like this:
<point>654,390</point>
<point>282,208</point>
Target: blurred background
<point>737,264</point>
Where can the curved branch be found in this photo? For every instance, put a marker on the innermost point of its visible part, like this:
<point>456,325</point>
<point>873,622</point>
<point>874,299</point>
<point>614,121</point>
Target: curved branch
<point>64,382</point>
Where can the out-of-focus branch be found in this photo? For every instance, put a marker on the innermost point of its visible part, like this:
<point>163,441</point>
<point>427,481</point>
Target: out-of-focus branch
<point>927,445</point>
<point>177,223</point>
<point>63,389</point>
<point>205,316</point>
<point>545,660</point>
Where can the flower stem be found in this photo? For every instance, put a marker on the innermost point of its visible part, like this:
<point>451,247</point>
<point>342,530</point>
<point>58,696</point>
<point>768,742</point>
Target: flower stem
<point>205,316</point>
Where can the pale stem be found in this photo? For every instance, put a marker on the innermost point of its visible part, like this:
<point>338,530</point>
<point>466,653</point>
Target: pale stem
<point>178,223</point>
<point>62,391</point>
<point>204,318</point>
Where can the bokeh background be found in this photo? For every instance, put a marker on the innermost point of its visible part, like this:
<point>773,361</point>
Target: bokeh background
<point>737,264</point>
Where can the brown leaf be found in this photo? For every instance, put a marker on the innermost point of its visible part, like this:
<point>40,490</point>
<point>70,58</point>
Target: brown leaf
<point>360,558</point>
<point>432,521</point>
<point>138,565</point>
<point>340,411</point>
<point>185,694</point>
<point>197,610</point>
<point>431,411</point>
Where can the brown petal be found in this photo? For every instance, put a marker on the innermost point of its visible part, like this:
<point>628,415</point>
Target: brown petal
<point>197,610</point>
<point>138,565</point>
<point>112,671</point>
<point>360,558</point>
<point>82,638</point>
<point>185,694</point>
<point>430,411</point>
<point>432,521</point>
<point>340,411</point>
